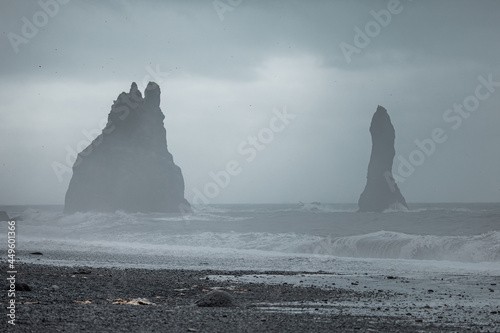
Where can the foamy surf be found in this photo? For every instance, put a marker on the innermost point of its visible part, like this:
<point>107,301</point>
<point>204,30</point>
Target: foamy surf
<point>388,245</point>
<point>467,234</point>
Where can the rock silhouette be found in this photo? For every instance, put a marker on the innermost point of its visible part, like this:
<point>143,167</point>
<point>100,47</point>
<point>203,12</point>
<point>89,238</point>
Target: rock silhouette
<point>381,191</point>
<point>128,166</point>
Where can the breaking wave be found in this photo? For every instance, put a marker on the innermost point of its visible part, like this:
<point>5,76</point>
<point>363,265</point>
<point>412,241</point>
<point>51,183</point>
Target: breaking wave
<point>386,244</point>
<point>163,233</point>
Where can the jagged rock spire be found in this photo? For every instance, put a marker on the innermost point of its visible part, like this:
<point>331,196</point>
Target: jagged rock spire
<point>381,192</point>
<point>128,167</point>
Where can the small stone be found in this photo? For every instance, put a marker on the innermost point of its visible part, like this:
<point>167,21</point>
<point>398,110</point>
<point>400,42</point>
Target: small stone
<point>54,287</point>
<point>22,286</point>
<point>82,271</point>
<point>216,298</point>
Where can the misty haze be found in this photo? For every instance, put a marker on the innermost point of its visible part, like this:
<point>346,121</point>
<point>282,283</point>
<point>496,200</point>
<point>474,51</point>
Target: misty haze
<point>250,166</point>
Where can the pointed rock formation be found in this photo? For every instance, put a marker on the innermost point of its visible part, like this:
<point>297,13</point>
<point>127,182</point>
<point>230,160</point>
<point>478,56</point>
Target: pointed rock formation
<point>128,166</point>
<point>381,191</point>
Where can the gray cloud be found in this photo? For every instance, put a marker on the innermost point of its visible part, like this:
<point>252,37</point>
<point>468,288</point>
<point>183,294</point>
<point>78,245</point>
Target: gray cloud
<point>222,79</point>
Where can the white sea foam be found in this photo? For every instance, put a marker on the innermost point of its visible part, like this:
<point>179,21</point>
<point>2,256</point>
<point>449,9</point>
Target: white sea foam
<point>453,233</point>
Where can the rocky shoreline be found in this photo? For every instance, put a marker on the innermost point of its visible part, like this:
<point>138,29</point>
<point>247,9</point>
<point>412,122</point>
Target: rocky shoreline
<point>90,299</point>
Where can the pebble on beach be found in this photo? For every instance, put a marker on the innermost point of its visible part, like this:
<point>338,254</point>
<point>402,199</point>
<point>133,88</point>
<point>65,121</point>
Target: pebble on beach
<point>22,287</point>
<point>216,298</point>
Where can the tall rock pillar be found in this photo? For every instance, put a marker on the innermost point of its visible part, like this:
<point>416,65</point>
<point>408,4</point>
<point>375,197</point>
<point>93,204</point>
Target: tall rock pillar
<point>128,166</point>
<point>381,191</point>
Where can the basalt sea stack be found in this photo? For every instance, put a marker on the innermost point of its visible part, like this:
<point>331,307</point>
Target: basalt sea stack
<point>381,191</point>
<point>128,166</point>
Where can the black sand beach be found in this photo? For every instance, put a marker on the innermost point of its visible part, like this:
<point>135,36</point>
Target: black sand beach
<point>87,299</point>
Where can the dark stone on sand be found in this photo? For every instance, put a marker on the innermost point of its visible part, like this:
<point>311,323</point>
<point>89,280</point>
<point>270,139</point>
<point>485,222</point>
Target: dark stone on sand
<point>22,286</point>
<point>83,271</point>
<point>216,298</point>
<point>37,253</point>
<point>381,191</point>
<point>128,166</point>
<point>4,216</point>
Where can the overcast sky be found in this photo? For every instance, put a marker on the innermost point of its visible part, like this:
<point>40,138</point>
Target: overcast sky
<point>226,69</point>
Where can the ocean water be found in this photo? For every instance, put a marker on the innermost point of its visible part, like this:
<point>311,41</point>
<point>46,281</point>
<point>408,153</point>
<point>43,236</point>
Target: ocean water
<point>272,236</point>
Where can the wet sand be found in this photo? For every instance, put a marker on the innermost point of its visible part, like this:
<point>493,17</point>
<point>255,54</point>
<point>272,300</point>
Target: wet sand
<point>90,299</point>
